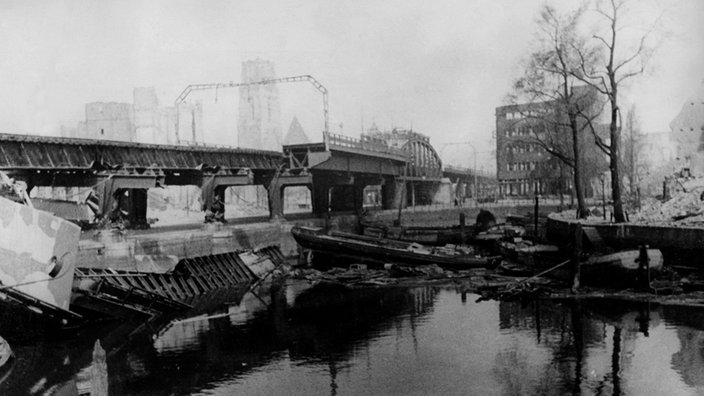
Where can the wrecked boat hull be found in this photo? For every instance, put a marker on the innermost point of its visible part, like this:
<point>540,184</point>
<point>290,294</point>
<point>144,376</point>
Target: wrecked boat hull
<point>381,251</point>
<point>630,235</point>
<point>681,246</point>
<point>129,293</point>
<point>620,269</point>
<point>37,258</point>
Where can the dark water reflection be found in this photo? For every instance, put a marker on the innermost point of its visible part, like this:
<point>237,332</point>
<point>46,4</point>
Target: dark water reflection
<point>332,340</point>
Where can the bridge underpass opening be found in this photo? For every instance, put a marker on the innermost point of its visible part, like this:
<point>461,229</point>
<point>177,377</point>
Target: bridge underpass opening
<point>131,207</point>
<point>372,197</point>
<point>246,201</point>
<point>421,194</point>
<point>183,204</point>
<point>297,199</point>
<point>173,205</point>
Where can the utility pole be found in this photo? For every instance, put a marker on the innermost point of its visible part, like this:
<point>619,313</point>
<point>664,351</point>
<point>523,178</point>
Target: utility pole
<point>476,192</point>
<point>200,87</point>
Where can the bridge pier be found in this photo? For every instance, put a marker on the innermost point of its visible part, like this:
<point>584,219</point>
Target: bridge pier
<point>124,197</point>
<point>336,194</point>
<point>213,186</point>
<point>393,194</point>
<point>320,195</point>
<point>275,190</point>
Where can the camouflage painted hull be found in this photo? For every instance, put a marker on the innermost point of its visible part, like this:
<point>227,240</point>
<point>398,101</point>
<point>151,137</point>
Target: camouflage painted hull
<point>37,255</point>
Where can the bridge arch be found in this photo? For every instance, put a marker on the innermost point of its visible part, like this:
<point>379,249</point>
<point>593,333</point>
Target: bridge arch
<point>423,161</point>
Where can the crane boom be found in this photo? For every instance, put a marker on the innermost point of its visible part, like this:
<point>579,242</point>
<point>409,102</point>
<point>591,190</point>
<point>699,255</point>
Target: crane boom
<point>201,87</point>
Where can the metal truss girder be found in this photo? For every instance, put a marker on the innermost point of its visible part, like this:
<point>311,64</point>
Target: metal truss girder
<point>134,181</point>
<point>32,155</point>
<point>295,180</point>
<point>35,152</point>
<point>231,180</point>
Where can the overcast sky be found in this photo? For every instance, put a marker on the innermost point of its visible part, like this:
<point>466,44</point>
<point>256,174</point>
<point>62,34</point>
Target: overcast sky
<point>441,67</point>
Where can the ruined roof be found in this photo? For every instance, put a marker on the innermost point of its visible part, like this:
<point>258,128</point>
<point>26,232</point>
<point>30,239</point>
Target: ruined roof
<point>295,134</point>
<point>688,126</point>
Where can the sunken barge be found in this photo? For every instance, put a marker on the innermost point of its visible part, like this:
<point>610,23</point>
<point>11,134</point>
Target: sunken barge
<point>49,266</point>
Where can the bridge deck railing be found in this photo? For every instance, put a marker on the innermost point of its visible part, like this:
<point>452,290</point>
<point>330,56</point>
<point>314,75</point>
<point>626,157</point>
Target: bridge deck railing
<point>367,143</point>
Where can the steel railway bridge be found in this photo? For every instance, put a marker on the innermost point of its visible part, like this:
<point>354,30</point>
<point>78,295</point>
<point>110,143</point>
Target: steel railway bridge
<point>336,171</point>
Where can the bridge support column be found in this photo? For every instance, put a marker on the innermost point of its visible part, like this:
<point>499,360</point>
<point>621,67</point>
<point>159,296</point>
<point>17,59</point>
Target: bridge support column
<point>275,189</point>
<point>359,197</point>
<point>342,197</point>
<point>275,197</point>
<point>393,195</point>
<point>214,185</point>
<point>124,197</point>
<point>347,193</point>
<point>320,198</point>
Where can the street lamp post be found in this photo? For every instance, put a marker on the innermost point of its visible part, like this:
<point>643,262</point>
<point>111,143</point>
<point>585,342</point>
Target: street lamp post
<point>603,196</point>
<point>476,192</point>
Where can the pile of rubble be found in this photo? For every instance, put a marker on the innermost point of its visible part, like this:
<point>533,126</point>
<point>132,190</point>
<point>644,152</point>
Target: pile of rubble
<point>686,207</point>
<point>389,274</point>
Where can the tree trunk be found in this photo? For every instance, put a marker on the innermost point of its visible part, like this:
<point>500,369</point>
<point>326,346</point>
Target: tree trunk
<point>615,135</point>
<point>581,204</point>
<point>560,185</point>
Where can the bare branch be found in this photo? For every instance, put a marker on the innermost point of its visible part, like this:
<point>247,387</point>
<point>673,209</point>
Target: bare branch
<point>631,74</point>
<point>632,57</point>
<point>604,14</point>
<point>606,44</point>
<point>586,77</point>
<point>606,148</point>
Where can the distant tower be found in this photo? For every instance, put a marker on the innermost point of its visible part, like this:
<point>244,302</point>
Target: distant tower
<point>259,125</point>
<point>146,105</point>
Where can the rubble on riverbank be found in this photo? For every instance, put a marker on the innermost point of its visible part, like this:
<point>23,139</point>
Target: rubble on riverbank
<point>684,208</point>
<point>671,289</point>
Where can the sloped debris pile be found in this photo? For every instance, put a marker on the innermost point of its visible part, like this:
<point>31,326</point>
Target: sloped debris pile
<point>686,207</point>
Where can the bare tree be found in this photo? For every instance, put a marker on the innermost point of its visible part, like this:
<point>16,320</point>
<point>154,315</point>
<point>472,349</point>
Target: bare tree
<point>562,112</point>
<point>604,68</point>
<point>632,164</point>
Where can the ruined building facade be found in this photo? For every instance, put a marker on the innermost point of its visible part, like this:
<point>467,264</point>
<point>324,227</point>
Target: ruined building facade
<point>518,160</point>
<point>687,131</point>
<point>524,167</point>
<point>143,121</point>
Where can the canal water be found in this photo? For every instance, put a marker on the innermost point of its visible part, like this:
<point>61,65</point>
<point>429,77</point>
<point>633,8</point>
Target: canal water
<point>329,340</point>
